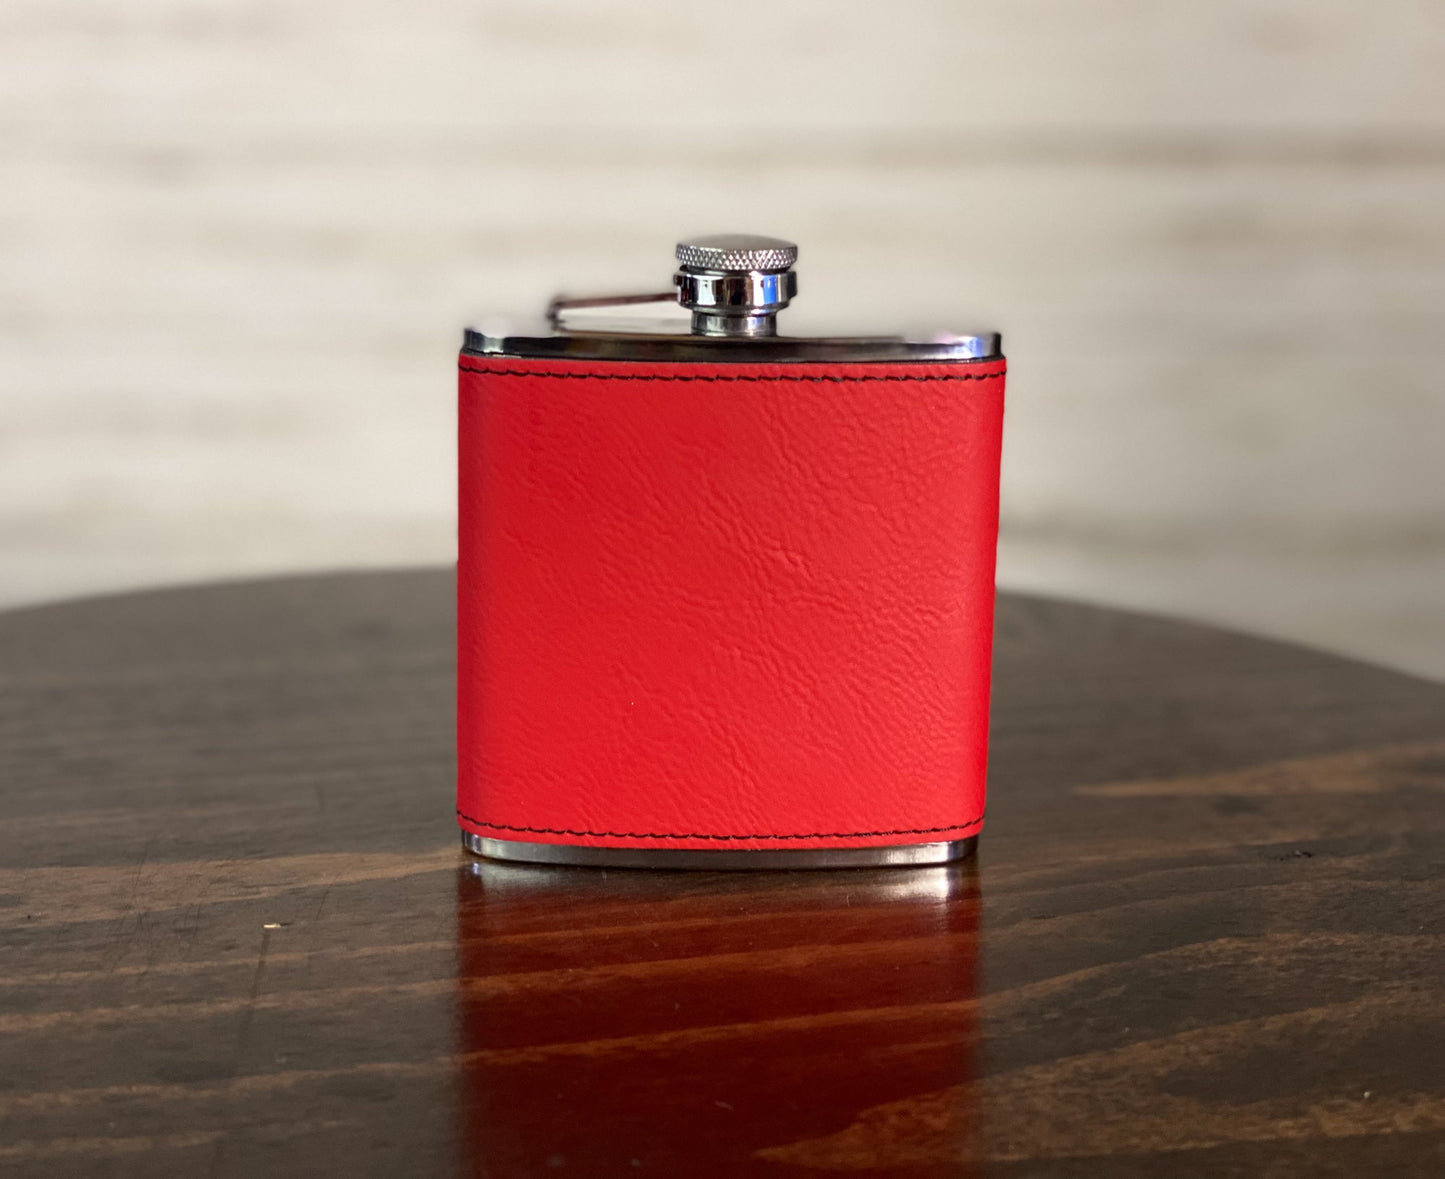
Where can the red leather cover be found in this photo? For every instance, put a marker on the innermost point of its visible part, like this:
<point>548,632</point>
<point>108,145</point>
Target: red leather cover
<point>725,605</point>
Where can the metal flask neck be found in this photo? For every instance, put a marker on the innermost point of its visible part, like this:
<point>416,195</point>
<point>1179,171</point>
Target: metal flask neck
<point>734,284</point>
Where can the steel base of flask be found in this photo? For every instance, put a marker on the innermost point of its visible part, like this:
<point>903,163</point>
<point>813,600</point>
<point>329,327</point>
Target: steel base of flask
<point>911,855</point>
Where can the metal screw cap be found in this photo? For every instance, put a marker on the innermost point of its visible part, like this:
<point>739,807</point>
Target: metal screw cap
<point>736,251</point>
<point>735,283</point>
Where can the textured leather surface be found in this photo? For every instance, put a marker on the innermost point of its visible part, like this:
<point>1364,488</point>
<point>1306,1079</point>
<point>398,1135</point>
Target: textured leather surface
<point>741,606</point>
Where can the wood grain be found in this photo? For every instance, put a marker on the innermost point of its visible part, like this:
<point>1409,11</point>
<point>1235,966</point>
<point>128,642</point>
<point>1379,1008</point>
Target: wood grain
<point>1203,935</point>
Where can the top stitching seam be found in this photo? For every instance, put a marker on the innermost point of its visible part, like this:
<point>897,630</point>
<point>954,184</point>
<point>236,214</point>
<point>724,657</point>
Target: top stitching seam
<point>593,376</point>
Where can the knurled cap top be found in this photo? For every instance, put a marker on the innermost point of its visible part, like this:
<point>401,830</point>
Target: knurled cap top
<point>736,251</point>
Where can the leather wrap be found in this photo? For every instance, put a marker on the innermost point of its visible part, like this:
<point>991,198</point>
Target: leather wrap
<point>725,606</point>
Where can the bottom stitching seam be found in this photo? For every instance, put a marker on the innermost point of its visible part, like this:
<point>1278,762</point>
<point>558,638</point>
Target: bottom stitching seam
<point>702,835</point>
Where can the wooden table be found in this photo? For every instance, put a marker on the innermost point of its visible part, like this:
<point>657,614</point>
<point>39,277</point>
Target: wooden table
<point>1203,935</point>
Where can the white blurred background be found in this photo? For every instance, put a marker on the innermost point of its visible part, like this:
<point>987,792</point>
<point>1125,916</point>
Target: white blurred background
<point>240,238</point>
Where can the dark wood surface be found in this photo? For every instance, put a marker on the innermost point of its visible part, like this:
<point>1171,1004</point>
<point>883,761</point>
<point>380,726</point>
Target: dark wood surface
<point>238,937</point>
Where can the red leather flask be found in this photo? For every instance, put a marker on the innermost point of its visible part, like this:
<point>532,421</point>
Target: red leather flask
<point>725,595</point>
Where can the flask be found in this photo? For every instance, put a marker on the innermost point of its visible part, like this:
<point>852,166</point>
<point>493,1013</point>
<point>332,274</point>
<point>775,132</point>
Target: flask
<point>725,595</point>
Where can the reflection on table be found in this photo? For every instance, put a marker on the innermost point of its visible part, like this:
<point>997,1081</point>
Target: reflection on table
<point>697,1023</point>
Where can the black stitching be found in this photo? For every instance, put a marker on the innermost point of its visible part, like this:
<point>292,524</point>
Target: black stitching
<point>596,376</point>
<point>698,835</point>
